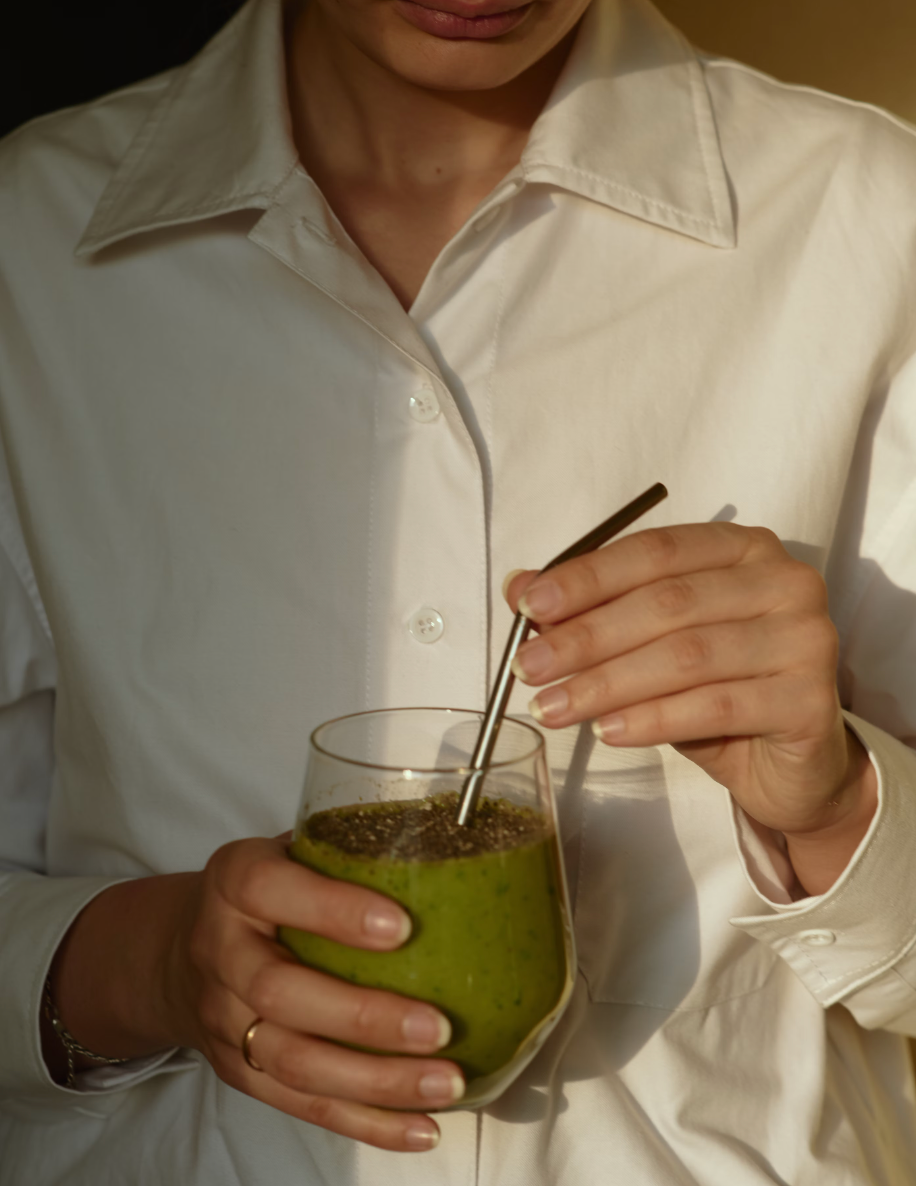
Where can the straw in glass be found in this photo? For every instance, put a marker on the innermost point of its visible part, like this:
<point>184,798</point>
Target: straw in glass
<point>499,697</point>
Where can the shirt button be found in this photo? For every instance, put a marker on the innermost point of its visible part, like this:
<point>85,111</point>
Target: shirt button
<point>817,938</point>
<point>426,625</point>
<point>424,405</point>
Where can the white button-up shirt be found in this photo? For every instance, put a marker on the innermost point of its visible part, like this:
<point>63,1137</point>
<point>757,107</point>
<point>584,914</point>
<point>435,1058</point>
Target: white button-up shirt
<point>244,491</point>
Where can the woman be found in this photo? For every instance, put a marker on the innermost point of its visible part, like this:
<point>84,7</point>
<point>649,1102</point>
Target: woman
<point>371,303</point>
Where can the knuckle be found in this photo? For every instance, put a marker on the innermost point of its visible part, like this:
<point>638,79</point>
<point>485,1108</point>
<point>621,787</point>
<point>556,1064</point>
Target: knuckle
<point>653,719</point>
<point>364,1017</point>
<point>660,545</point>
<point>589,575</point>
<point>290,1067</point>
<point>813,641</point>
<point>340,907</point>
<point>673,597</point>
<point>217,874</point>
<point>223,866</point>
<point>598,692</point>
<point>817,588</point>
<point>584,639</point>
<point>386,1081</point>
<point>318,1110</point>
<point>265,989</point>
<point>253,885</point>
<point>691,651</point>
<point>806,583</point>
<point>722,709</point>
<point>765,538</point>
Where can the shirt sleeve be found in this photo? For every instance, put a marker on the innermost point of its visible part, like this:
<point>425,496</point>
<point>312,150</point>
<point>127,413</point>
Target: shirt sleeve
<point>856,944</point>
<point>35,910</point>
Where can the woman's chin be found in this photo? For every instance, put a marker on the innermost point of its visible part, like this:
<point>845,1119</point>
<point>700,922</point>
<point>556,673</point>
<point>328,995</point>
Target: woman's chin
<point>447,64</point>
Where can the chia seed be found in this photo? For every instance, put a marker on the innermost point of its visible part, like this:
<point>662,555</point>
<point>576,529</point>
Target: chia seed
<point>426,829</point>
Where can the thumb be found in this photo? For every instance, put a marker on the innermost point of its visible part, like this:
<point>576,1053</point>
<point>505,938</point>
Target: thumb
<point>515,584</point>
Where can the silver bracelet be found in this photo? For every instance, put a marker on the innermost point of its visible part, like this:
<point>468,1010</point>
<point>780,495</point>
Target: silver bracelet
<point>69,1043</point>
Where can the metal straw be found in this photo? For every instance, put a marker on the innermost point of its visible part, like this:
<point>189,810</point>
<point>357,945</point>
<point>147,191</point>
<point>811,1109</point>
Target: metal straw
<point>499,697</point>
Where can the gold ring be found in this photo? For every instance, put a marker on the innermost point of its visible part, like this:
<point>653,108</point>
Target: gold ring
<point>246,1044</point>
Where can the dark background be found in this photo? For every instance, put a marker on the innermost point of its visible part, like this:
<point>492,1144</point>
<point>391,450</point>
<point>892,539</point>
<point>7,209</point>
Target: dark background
<point>55,55</point>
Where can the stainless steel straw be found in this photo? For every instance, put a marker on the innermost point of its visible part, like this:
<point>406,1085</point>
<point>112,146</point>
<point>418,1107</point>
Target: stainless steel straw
<point>499,697</point>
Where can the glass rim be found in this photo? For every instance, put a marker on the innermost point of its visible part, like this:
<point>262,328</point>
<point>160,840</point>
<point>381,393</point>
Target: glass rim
<point>538,747</point>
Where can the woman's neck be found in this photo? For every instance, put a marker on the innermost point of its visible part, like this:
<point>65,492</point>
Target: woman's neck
<point>354,118</point>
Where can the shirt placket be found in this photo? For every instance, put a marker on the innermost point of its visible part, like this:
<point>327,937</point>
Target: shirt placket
<point>429,582</point>
<point>427,636</point>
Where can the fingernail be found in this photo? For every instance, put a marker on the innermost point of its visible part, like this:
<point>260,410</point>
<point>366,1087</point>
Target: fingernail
<point>388,923</point>
<point>544,598</point>
<point>442,1087</point>
<point>510,577</point>
<point>533,660</point>
<point>422,1136</point>
<point>549,704</point>
<point>427,1028</point>
<point>609,728</point>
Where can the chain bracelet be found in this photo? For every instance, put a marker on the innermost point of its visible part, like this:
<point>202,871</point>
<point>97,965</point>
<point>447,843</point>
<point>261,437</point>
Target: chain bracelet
<point>69,1043</point>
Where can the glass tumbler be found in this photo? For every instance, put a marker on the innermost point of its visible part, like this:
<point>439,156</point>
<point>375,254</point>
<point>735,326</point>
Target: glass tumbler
<point>491,944</point>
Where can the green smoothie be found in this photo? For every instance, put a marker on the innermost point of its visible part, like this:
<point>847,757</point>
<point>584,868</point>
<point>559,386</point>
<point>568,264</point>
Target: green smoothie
<point>487,945</point>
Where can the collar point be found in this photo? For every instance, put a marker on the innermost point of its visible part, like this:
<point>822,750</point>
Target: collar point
<point>724,235</point>
<point>89,245</point>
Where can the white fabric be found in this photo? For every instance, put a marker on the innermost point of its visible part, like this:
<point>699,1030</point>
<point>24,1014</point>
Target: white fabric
<point>220,516</point>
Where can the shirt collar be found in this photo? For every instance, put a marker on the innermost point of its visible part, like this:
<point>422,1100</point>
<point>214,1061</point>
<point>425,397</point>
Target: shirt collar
<point>218,140</point>
<point>629,124</point>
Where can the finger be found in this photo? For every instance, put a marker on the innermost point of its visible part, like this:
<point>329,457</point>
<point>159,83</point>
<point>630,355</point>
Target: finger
<point>641,559</point>
<point>259,879</point>
<point>515,584</point>
<point>687,659</point>
<point>403,1132</point>
<point>314,1066</point>
<point>739,708</point>
<point>272,984</point>
<point>736,594</point>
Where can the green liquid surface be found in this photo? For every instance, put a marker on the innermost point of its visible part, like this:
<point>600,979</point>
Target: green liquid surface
<point>487,945</point>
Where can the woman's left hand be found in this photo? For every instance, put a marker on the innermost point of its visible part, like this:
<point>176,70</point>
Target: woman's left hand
<point>712,638</point>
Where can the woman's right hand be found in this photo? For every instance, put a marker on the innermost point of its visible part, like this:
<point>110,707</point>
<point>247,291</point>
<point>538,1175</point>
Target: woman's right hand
<point>191,960</point>
<point>227,968</point>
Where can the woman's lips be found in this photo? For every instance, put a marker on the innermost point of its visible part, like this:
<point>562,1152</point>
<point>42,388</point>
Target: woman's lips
<point>452,26</point>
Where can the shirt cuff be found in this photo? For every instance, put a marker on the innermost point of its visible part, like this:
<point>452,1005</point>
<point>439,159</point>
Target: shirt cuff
<point>35,914</point>
<point>840,941</point>
<point>96,1080</point>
